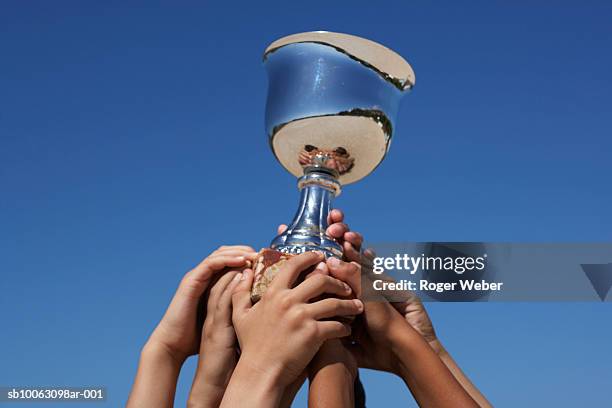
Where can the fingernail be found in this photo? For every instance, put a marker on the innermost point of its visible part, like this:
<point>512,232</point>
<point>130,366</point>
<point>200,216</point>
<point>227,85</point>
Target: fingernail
<point>347,288</point>
<point>333,261</point>
<point>358,303</point>
<point>238,277</point>
<point>242,276</point>
<point>321,266</point>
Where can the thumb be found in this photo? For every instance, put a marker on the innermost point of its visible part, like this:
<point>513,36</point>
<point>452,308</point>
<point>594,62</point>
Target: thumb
<point>241,298</point>
<point>281,228</point>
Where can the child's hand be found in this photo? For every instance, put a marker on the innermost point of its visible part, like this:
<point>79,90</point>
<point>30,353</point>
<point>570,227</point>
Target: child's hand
<point>351,241</point>
<point>218,348</point>
<point>178,332</point>
<point>373,348</point>
<point>282,332</point>
<point>414,312</point>
<point>177,335</point>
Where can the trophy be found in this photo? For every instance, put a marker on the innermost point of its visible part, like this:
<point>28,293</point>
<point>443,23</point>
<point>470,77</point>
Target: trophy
<point>330,116</point>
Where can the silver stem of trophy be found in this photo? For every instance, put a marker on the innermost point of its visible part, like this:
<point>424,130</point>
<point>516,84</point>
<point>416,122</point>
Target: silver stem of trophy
<point>319,186</point>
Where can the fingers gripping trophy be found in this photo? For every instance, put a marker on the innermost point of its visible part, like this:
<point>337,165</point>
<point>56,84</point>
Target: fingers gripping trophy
<point>330,116</point>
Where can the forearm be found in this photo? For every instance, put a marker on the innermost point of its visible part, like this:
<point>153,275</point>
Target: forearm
<point>430,381</point>
<point>211,379</point>
<point>460,376</point>
<point>332,386</point>
<point>206,396</point>
<point>155,382</point>
<point>251,386</point>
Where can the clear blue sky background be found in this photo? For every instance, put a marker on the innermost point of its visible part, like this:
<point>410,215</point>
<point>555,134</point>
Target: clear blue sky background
<point>132,144</point>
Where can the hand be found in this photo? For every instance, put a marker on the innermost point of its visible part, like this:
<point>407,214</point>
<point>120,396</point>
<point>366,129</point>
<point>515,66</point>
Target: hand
<point>378,313</point>
<point>337,229</point>
<point>218,348</point>
<point>350,240</point>
<point>415,314</point>
<point>372,350</point>
<point>349,273</point>
<point>351,243</point>
<point>178,332</point>
<point>373,346</point>
<point>177,336</point>
<point>282,332</point>
<point>410,306</point>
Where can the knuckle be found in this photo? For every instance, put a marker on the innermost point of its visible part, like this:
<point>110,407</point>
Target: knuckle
<point>320,279</point>
<point>285,302</point>
<point>298,314</point>
<point>339,329</point>
<point>236,297</point>
<point>189,284</point>
<point>309,255</point>
<point>270,292</point>
<point>336,284</point>
<point>337,307</point>
<point>311,330</point>
<point>208,332</point>
<point>214,292</point>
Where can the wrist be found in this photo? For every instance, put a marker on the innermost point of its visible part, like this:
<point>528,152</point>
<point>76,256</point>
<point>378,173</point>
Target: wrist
<point>403,343</point>
<point>334,369</point>
<point>263,385</point>
<point>335,356</point>
<point>205,395</point>
<point>216,370</point>
<point>158,352</point>
<point>269,371</point>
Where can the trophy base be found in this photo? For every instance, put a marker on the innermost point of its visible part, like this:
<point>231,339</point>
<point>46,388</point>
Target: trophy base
<point>328,250</point>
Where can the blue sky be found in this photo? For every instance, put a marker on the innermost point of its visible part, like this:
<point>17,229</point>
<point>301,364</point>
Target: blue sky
<point>132,144</point>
